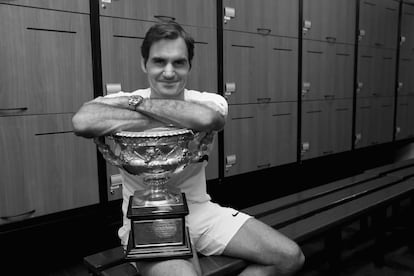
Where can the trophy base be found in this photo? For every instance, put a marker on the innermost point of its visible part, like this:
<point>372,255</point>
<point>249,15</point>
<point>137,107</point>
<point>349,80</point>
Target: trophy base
<point>159,252</point>
<point>139,211</point>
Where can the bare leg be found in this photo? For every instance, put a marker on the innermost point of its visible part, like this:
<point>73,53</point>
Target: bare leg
<point>174,267</point>
<point>270,252</point>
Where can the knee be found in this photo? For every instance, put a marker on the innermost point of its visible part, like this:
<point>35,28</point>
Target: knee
<point>293,259</point>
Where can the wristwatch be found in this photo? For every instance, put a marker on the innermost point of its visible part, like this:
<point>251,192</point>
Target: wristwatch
<point>134,101</point>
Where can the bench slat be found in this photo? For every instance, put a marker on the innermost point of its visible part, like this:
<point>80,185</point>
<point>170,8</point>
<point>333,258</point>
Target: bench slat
<point>125,269</point>
<point>386,169</point>
<point>319,223</point>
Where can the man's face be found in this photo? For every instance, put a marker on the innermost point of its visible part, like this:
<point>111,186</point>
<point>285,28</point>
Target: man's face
<point>167,68</point>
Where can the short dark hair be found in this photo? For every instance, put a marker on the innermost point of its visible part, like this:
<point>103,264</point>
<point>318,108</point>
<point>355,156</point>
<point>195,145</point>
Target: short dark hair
<point>166,30</point>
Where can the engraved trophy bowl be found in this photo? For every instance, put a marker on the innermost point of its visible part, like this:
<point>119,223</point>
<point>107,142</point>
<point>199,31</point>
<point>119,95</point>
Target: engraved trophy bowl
<point>157,212</point>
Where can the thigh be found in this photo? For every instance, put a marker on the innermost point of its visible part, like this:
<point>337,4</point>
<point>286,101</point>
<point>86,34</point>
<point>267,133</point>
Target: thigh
<point>259,243</point>
<point>173,267</point>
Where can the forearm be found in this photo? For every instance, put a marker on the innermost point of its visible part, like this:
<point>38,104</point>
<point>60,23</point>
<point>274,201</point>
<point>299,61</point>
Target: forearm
<point>192,115</point>
<point>96,119</point>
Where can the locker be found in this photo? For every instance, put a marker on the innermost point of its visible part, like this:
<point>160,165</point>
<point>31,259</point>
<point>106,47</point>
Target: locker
<point>329,20</point>
<point>378,23</point>
<point>327,71</point>
<point>259,136</point>
<point>376,72</point>
<point>38,41</point>
<point>387,67</point>
<point>374,121</point>
<point>81,6</point>
<point>326,127</point>
<point>42,161</point>
<point>405,76</point>
<point>275,17</point>
<point>259,69</point>
<point>182,11</point>
<point>407,27</point>
<point>405,113</point>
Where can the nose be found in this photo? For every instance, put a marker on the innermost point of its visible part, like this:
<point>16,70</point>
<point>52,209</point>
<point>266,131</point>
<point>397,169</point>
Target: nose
<point>168,72</point>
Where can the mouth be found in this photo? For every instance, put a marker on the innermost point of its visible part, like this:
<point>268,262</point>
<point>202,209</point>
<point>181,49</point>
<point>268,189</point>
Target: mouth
<point>169,83</point>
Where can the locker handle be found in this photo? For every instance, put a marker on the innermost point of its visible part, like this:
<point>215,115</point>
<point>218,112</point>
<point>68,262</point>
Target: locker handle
<point>329,96</point>
<point>328,152</point>
<point>331,39</point>
<point>264,31</point>
<point>16,109</point>
<point>264,100</point>
<point>164,17</point>
<point>28,213</point>
<point>263,166</point>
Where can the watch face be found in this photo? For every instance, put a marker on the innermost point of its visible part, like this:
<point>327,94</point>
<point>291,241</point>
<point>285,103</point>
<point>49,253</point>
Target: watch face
<point>135,101</point>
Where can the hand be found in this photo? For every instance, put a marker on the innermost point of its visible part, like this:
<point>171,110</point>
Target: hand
<point>120,101</point>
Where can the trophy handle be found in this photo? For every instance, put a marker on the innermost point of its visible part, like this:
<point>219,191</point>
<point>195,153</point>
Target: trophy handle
<point>107,153</point>
<point>202,148</point>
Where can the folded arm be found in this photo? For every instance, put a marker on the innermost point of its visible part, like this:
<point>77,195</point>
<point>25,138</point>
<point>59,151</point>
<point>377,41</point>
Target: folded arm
<point>104,116</point>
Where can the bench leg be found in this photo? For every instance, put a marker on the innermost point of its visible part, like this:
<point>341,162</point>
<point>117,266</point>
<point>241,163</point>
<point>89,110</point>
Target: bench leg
<point>379,226</point>
<point>410,237</point>
<point>333,249</point>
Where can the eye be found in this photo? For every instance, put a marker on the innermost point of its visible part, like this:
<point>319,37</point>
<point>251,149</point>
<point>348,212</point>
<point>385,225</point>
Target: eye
<point>158,61</point>
<point>180,63</point>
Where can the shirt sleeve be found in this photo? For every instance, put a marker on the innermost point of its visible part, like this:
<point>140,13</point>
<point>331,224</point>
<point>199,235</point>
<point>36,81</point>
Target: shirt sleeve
<point>213,100</point>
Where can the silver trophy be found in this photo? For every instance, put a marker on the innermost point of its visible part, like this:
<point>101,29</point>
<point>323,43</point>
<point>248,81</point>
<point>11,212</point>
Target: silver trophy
<point>158,212</point>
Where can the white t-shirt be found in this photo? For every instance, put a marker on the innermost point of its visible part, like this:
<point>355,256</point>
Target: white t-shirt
<point>192,180</point>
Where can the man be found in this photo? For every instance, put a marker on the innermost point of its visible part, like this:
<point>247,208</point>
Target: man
<point>167,53</point>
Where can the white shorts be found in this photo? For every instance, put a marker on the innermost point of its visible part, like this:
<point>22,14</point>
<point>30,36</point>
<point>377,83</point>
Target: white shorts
<point>213,226</point>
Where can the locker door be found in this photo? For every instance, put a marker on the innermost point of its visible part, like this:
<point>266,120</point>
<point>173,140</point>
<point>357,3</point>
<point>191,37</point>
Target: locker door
<point>403,129</point>
<point>282,130</point>
<point>343,85</point>
<point>276,17</point>
<point>73,5</point>
<point>331,20</point>
<point>315,138</point>
<point>279,64</point>
<point>388,29</point>
<point>345,17</point>
<point>369,22</point>
<point>317,66</point>
<point>320,14</point>
<point>366,71</point>
<point>243,75</point>
<point>405,78</point>
<point>36,41</point>
<point>240,140</point>
<point>387,69</point>
<point>182,11</point>
<point>281,16</point>
<point>42,164</point>
<point>340,124</point>
<point>384,119</point>
<point>407,27</point>
<point>365,123</point>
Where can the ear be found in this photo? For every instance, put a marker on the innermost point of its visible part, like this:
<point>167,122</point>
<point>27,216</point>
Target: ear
<point>143,67</point>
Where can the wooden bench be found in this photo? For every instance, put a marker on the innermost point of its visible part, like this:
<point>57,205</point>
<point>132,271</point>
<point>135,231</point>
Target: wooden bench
<point>300,216</point>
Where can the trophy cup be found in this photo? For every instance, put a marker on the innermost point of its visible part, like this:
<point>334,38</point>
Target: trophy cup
<point>158,212</point>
